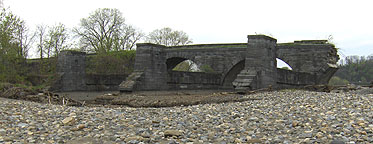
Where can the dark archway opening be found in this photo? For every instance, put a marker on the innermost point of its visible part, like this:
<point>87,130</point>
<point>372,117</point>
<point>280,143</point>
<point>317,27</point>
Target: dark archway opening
<point>232,74</point>
<point>173,62</point>
<point>181,64</point>
<point>187,65</point>
<point>185,74</point>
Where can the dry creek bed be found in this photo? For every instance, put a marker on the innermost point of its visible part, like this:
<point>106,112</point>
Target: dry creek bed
<point>288,116</point>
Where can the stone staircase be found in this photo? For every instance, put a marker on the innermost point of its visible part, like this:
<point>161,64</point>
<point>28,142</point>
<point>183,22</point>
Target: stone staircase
<point>244,80</point>
<point>129,83</point>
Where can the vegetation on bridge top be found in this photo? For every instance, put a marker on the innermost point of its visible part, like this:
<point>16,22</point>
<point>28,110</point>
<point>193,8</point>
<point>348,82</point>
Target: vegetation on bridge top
<point>208,46</point>
<point>309,42</point>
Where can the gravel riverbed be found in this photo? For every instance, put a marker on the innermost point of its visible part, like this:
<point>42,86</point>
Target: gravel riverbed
<point>275,117</point>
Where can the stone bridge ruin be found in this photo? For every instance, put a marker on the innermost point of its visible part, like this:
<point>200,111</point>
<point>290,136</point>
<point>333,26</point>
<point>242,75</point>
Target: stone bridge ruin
<point>243,66</point>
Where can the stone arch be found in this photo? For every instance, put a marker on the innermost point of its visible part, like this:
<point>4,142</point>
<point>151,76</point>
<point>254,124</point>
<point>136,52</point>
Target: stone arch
<point>231,75</point>
<point>174,61</point>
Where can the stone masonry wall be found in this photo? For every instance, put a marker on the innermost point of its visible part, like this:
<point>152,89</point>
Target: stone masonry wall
<point>262,57</point>
<point>307,57</point>
<point>150,60</point>
<point>249,65</point>
<point>156,62</point>
<point>311,56</point>
<point>220,57</point>
<point>71,70</point>
<point>193,80</point>
<point>95,82</point>
<point>291,79</point>
<point>260,64</point>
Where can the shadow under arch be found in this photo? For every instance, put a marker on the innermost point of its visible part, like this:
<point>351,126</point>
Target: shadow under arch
<point>281,64</point>
<point>232,74</point>
<point>173,62</point>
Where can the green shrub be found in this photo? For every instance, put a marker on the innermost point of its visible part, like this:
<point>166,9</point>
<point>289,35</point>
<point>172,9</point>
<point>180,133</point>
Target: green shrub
<point>335,80</point>
<point>118,62</point>
<point>207,69</point>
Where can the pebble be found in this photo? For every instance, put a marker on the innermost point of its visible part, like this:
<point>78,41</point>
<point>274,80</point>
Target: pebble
<point>170,133</point>
<point>68,120</point>
<point>278,117</point>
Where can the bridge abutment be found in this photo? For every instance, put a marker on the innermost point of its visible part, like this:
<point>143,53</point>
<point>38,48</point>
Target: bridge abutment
<point>260,64</point>
<point>150,70</point>
<point>71,71</point>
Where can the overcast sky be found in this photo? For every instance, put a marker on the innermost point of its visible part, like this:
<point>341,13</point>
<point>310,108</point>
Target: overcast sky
<point>350,22</point>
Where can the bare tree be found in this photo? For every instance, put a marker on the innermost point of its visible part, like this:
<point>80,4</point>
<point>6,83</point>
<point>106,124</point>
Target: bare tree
<point>105,30</point>
<point>15,34</point>
<point>40,34</point>
<point>168,37</point>
<point>130,38</point>
<point>25,39</point>
<point>15,41</point>
<point>56,40</point>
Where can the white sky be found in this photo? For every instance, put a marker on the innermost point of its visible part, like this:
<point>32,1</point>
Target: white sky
<point>217,21</point>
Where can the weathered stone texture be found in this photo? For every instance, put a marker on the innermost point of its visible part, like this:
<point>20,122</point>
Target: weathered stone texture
<point>157,61</point>
<point>311,56</point>
<point>220,57</point>
<point>97,82</point>
<point>292,79</point>
<point>260,63</point>
<point>193,80</point>
<point>71,71</point>
<point>150,60</point>
<point>307,57</point>
<point>249,65</point>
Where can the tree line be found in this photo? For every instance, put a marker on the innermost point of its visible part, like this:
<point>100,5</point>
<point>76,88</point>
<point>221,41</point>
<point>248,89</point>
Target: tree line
<point>355,70</point>
<point>104,31</point>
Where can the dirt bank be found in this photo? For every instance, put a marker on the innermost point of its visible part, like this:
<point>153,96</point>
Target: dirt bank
<point>143,99</point>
